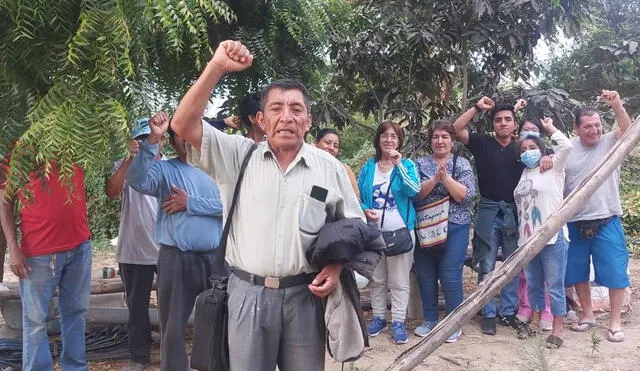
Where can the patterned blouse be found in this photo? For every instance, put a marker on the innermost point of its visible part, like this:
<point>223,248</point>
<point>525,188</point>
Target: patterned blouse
<point>459,213</point>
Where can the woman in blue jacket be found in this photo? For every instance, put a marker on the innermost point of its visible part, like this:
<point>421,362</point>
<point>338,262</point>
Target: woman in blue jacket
<point>392,209</point>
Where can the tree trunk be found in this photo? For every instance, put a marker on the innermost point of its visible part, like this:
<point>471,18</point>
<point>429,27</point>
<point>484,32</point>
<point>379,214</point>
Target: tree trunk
<point>517,261</point>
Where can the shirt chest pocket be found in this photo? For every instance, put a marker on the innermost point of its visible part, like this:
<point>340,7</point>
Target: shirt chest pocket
<point>313,215</point>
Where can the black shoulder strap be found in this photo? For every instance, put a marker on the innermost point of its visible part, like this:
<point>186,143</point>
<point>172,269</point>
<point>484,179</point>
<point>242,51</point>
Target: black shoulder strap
<point>221,251</point>
<point>455,161</point>
<point>384,207</point>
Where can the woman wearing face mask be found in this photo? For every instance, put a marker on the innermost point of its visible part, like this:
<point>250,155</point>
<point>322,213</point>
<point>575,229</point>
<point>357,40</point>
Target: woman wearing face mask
<point>537,196</point>
<point>328,140</point>
<point>442,175</point>
<point>387,184</point>
<point>531,127</point>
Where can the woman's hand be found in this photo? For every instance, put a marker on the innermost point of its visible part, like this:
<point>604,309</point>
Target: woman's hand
<point>547,124</point>
<point>395,156</point>
<point>371,215</point>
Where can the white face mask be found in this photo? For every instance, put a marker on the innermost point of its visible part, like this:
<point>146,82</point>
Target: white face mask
<point>525,134</point>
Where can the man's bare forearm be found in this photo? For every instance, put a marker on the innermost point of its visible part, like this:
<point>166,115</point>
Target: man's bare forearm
<point>8,220</point>
<point>186,120</point>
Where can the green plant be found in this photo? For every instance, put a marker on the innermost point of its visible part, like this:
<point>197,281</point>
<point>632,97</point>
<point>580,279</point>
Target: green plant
<point>535,356</point>
<point>595,343</point>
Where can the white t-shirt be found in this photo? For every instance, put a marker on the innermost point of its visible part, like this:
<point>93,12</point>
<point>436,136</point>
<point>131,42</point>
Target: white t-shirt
<point>605,201</point>
<point>392,218</point>
<point>136,244</point>
<point>538,195</point>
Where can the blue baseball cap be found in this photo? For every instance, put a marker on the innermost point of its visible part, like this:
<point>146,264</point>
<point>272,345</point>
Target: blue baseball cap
<point>141,127</point>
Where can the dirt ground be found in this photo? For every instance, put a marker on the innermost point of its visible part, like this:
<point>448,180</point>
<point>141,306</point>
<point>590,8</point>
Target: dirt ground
<point>474,351</point>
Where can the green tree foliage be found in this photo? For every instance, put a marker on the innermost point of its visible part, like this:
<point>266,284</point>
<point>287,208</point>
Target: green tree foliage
<point>74,74</point>
<point>607,56</point>
<point>413,60</point>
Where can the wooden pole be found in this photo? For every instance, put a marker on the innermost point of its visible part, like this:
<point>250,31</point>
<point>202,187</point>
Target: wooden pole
<point>494,281</point>
<point>98,286</point>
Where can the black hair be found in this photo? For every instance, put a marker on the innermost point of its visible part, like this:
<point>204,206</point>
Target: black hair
<point>503,107</point>
<point>324,132</point>
<point>286,84</point>
<point>586,111</point>
<point>536,140</point>
<point>249,106</point>
<point>532,120</point>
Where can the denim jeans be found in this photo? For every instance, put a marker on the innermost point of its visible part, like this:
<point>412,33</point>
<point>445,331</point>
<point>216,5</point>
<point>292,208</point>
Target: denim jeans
<point>70,272</point>
<point>509,293</point>
<point>444,264</point>
<point>549,267</point>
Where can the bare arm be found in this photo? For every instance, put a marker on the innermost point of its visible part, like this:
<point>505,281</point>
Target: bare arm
<point>7,219</point>
<point>460,125</point>
<point>426,187</point>
<point>456,190</point>
<point>612,98</point>
<point>17,261</point>
<point>229,56</point>
<point>116,181</point>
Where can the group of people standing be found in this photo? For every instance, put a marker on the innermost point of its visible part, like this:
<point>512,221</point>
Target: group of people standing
<point>290,191</point>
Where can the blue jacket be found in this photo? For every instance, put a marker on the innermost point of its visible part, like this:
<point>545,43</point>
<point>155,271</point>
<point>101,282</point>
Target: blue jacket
<point>405,187</point>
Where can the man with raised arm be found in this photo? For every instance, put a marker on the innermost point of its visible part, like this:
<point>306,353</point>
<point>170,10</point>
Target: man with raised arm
<point>499,169</point>
<point>290,190</point>
<point>596,231</point>
<point>188,228</point>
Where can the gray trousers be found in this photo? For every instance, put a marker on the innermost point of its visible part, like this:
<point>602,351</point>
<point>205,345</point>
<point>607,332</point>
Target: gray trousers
<point>269,327</point>
<point>181,277</point>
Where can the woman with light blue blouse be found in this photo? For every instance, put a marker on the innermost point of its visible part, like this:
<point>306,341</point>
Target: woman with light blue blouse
<point>443,236</point>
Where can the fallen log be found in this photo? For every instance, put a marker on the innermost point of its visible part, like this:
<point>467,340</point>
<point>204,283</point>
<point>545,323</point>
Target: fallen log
<point>98,286</point>
<point>517,261</point>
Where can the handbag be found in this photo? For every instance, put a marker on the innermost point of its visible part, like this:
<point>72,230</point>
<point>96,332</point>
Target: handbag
<point>210,349</point>
<point>432,220</point>
<point>398,241</point>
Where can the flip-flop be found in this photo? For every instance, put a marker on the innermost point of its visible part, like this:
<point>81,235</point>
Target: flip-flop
<point>553,342</point>
<point>583,326</point>
<point>616,336</point>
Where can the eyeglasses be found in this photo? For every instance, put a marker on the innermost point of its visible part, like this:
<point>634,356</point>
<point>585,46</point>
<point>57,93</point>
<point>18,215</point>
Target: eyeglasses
<point>389,136</point>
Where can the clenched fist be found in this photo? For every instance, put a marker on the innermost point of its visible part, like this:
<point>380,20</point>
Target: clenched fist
<point>232,56</point>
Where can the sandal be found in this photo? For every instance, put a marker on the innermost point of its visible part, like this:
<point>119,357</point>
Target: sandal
<point>553,342</point>
<point>616,336</point>
<point>583,326</point>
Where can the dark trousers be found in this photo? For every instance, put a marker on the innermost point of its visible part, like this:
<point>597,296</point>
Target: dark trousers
<point>181,277</point>
<point>138,281</point>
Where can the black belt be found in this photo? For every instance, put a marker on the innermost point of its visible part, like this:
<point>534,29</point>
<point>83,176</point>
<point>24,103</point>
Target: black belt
<point>274,282</point>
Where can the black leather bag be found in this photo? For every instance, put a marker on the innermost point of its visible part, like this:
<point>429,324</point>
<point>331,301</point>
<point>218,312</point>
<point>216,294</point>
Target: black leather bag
<point>398,241</point>
<point>210,351</point>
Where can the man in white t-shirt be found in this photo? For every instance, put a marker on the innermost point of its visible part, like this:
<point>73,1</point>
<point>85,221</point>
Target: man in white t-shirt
<point>596,230</point>
<point>137,251</point>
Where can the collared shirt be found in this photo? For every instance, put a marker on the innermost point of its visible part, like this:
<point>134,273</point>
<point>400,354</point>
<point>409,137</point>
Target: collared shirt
<point>278,214</point>
<point>199,227</point>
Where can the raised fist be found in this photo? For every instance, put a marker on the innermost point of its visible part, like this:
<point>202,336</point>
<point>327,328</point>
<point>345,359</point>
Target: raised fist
<point>232,56</point>
<point>547,124</point>
<point>611,97</point>
<point>520,104</point>
<point>159,125</point>
<point>485,103</point>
